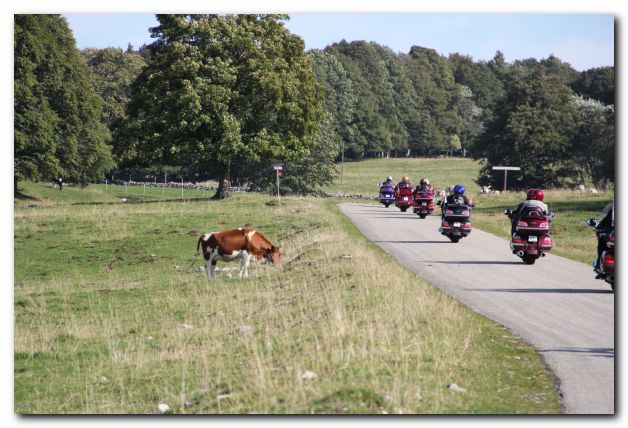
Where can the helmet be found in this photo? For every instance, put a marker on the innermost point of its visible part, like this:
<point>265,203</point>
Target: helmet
<point>458,189</point>
<point>535,194</point>
<point>405,179</point>
<point>389,178</point>
<point>425,181</point>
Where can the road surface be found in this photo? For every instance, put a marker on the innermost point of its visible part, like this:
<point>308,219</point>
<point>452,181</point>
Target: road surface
<point>557,305</point>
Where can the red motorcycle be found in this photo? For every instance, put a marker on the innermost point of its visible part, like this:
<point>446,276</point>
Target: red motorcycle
<point>404,198</point>
<point>606,270</point>
<point>423,203</point>
<point>532,238</point>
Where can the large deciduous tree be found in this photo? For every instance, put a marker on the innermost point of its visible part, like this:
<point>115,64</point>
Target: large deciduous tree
<point>112,72</point>
<point>222,88</point>
<point>533,128</point>
<point>56,113</point>
<point>594,144</point>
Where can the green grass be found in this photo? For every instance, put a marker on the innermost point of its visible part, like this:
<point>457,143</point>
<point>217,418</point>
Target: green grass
<point>364,176</point>
<point>109,320</point>
<point>45,195</point>
<point>572,238</point>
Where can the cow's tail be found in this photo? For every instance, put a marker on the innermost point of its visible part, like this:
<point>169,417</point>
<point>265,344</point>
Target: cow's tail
<point>198,245</point>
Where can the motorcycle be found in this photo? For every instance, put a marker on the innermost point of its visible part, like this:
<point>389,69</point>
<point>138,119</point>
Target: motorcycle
<point>606,271</point>
<point>404,198</point>
<point>532,238</point>
<point>456,223</point>
<point>423,203</point>
<point>387,194</point>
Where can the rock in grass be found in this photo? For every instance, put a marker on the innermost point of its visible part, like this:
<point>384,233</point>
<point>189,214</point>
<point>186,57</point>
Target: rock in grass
<point>163,408</point>
<point>308,375</point>
<point>246,329</point>
<point>455,388</point>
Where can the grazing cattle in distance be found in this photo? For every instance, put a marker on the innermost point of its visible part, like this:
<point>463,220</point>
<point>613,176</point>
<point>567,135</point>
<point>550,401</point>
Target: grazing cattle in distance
<point>241,243</point>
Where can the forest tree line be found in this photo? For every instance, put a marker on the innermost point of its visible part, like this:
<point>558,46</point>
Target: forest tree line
<point>225,96</point>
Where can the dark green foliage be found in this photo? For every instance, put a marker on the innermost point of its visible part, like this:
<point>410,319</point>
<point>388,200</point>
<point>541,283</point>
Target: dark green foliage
<point>112,72</point>
<point>56,112</point>
<point>597,83</point>
<point>594,144</point>
<point>533,128</point>
<point>480,78</point>
<point>222,88</point>
<point>340,99</point>
<point>303,176</point>
<point>438,97</point>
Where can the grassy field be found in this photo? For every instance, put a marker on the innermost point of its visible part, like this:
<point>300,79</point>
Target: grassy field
<point>109,320</point>
<point>364,176</point>
<point>572,238</point>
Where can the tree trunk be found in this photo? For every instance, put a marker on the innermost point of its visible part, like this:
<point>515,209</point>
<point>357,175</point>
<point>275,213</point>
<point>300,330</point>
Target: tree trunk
<point>223,181</point>
<point>15,191</point>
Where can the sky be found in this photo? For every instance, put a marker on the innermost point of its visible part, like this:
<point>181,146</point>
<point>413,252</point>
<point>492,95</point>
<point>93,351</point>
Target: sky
<point>584,40</point>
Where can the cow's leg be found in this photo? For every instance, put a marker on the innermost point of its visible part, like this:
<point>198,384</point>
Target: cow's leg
<point>212,267</point>
<point>207,268</point>
<point>244,265</point>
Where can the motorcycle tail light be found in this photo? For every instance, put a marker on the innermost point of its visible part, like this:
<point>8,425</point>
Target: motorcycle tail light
<point>449,212</point>
<point>613,238</point>
<point>445,224</point>
<point>546,240</point>
<point>522,223</point>
<point>465,212</point>
<point>430,205</point>
<point>543,224</point>
<point>609,259</point>
<point>467,225</point>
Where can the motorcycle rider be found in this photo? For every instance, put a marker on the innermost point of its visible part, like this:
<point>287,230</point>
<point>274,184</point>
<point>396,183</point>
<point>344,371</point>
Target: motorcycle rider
<point>388,182</point>
<point>606,224</point>
<point>534,199</point>
<point>424,185</point>
<point>404,183</point>
<point>457,197</point>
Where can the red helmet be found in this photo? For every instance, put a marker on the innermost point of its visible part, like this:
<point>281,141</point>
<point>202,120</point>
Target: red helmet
<point>535,194</point>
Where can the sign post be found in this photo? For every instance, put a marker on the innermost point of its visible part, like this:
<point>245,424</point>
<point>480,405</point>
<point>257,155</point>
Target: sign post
<point>506,169</point>
<point>278,167</point>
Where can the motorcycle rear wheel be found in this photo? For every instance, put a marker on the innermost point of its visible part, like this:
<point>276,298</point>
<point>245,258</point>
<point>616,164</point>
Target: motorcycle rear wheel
<point>454,239</point>
<point>422,216</point>
<point>529,259</point>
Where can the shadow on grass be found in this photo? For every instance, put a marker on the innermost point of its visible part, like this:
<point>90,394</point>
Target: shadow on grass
<point>595,352</point>
<point>545,290</point>
<point>24,197</point>
<point>414,242</point>
<point>474,262</point>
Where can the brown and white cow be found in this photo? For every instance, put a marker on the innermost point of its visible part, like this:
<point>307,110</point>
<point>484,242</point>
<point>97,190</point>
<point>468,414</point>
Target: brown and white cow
<point>241,243</point>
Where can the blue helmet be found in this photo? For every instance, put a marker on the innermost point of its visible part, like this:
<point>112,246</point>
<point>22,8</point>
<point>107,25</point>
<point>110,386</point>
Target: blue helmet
<point>458,189</point>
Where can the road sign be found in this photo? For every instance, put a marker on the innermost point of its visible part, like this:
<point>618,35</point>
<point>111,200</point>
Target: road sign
<point>279,173</point>
<point>506,169</point>
<point>278,166</point>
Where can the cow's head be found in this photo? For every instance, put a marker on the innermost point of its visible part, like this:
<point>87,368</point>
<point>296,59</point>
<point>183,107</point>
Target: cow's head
<point>272,254</point>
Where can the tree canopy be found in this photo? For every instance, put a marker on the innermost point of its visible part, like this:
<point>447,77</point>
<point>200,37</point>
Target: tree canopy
<point>58,132</point>
<point>221,88</point>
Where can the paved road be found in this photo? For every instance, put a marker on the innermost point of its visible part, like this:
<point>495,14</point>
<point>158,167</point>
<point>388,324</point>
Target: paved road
<point>557,305</point>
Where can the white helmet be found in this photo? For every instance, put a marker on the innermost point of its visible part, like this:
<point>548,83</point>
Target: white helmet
<point>389,178</point>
